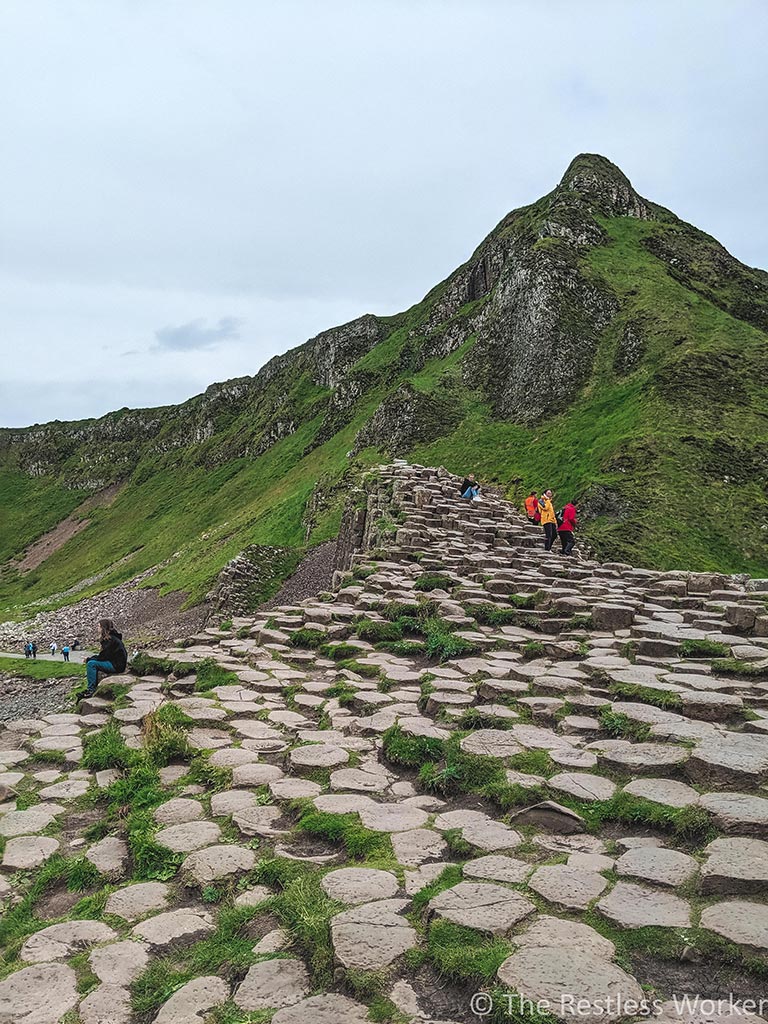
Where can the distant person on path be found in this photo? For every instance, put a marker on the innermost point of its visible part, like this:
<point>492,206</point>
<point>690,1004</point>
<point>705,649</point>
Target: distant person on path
<point>111,659</point>
<point>567,527</point>
<point>27,650</point>
<point>75,644</point>
<point>548,519</point>
<point>65,652</point>
<point>33,647</point>
<point>532,508</point>
<point>53,648</point>
<point>470,488</point>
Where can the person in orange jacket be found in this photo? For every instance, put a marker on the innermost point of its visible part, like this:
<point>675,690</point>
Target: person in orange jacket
<point>567,527</point>
<point>548,519</point>
<point>532,508</point>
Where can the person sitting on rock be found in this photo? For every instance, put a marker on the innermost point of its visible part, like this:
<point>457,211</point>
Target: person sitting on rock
<point>111,659</point>
<point>532,508</point>
<point>567,527</point>
<point>470,488</point>
<point>548,519</point>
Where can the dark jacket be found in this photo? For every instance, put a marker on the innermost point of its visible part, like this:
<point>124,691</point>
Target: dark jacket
<point>113,650</point>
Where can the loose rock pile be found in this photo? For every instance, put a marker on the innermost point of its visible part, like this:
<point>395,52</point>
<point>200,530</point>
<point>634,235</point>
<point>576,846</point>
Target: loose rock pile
<point>472,765</point>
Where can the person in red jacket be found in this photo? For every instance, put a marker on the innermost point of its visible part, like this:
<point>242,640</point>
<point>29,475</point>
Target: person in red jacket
<point>567,527</point>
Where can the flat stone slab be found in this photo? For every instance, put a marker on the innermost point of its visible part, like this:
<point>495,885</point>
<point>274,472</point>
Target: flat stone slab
<point>30,821</point>
<point>59,941</point>
<point>294,789</point>
<point>560,933</point>
<point>38,995</point>
<point>25,852</point>
<point>359,885</point>
<point>259,820</point>
<point>178,811</point>
<point>232,800</point>
<point>272,984</point>
<point>739,921</point>
<point>498,868</point>
<point>576,986</point>
<point>663,791</point>
<point>482,905</point>
<point>635,906</point>
<point>120,963</point>
<point>106,1004</point>
<point>175,927</point>
<point>735,866</point>
<point>639,757</point>
<point>417,846</point>
<point>498,743</point>
<point>318,755</point>
<point>657,864</point>
<point>359,780</point>
<point>193,1001</point>
<point>566,886</point>
<point>738,812</point>
<point>730,758</point>
<point>69,789</point>
<point>583,785</point>
<point>192,835</point>
<point>255,774</point>
<point>327,1009</point>
<point>109,856</point>
<point>392,817</point>
<point>135,901</point>
<point>217,862</point>
<point>373,935</point>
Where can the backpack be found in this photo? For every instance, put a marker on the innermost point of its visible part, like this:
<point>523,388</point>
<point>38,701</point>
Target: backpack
<point>559,517</point>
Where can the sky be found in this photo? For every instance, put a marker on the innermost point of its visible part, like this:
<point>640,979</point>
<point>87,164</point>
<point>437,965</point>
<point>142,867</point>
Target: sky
<point>188,187</point>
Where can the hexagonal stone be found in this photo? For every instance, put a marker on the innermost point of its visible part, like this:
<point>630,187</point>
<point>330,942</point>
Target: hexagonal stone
<point>193,1001</point>
<point>25,852</point>
<point>175,927</point>
<point>58,941</point>
<point>30,821</point>
<point>571,985</point>
<point>360,780</point>
<point>735,866</point>
<point>217,862</point>
<point>583,785</point>
<point>178,811</point>
<point>325,1009</point>
<point>372,935</point>
<point>657,864</point>
<point>273,984</point>
<point>359,885</point>
<point>392,817</point>
<point>294,789</point>
<point>234,757</point>
<point>730,758</point>
<point>498,743</point>
<point>318,755</point>
<point>559,933</point>
<point>119,963</point>
<point>109,856</point>
<point>640,757</point>
<point>738,812</point>
<point>255,774</point>
<point>498,868</point>
<point>208,739</point>
<point>566,886</point>
<point>38,995</point>
<point>68,789</point>
<point>259,821</point>
<point>663,791</point>
<point>232,800</point>
<point>134,901</point>
<point>192,835</point>
<point>416,846</point>
<point>481,905</point>
<point>739,921</point>
<point>635,906</point>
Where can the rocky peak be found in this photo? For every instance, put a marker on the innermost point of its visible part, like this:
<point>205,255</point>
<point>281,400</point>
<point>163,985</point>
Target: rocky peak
<point>602,186</point>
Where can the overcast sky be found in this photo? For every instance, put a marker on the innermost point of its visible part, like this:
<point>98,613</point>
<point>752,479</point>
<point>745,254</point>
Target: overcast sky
<point>190,186</point>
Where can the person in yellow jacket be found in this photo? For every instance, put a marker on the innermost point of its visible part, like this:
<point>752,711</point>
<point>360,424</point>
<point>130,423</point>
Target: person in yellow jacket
<point>548,519</point>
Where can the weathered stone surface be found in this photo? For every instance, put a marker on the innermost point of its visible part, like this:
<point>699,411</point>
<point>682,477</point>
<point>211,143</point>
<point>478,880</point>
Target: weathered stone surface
<point>583,785</point>
<point>259,820</point>
<point>738,812</point>
<point>739,921</point>
<point>58,941</point>
<point>217,862</point>
<point>635,906</point>
<point>657,864</point>
<point>371,936</point>
<point>175,927</point>
<point>359,885</point>
<point>416,846</point>
<point>559,933</point>
<point>28,822</point>
<point>178,811</point>
<point>193,1001</point>
<point>38,995</point>
<point>253,897</point>
<point>255,774</point>
<point>735,866</point>
<point>192,835</point>
<point>550,816</point>
<point>663,791</point>
<point>575,987</point>
<point>134,901</point>
<point>69,789</point>
<point>640,757</point>
<point>481,905</point>
<point>730,759</point>
<point>498,743</point>
<point>109,855</point>
<point>120,963</point>
<point>326,1009</point>
<point>107,1004</point>
<point>392,817</point>
<point>566,886</point>
<point>498,868</point>
<point>273,984</point>
<point>25,852</point>
<point>318,755</point>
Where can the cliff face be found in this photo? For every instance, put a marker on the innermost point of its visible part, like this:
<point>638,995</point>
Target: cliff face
<point>592,340</point>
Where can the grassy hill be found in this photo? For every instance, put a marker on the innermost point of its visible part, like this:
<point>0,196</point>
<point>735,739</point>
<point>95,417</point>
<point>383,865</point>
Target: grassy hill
<point>593,343</point>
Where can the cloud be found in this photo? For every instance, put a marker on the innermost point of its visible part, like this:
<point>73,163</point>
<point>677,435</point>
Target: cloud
<point>195,334</point>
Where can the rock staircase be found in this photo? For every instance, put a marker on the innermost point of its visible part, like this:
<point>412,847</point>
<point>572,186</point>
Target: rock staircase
<point>477,766</point>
